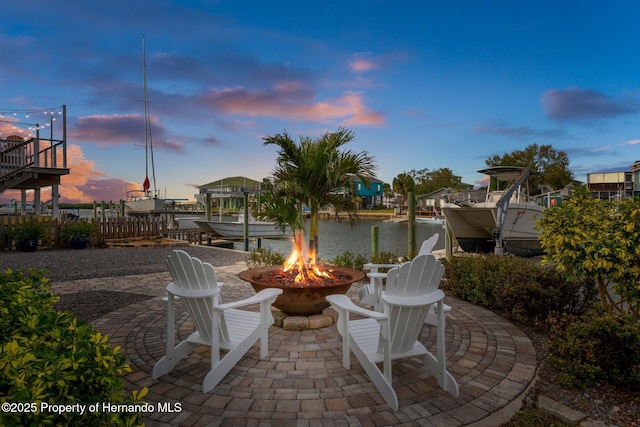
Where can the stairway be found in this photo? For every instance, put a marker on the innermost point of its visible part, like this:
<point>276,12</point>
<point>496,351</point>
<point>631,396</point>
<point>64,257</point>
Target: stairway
<point>32,163</point>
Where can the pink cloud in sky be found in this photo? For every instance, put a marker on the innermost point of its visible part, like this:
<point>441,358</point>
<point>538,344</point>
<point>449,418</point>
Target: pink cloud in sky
<point>293,101</point>
<point>84,183</point>
<point>361,65</point>
<point>482,182</point>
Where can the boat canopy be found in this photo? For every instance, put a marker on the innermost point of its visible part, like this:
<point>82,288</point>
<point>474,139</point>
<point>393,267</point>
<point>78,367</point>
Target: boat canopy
<point>506,173</point>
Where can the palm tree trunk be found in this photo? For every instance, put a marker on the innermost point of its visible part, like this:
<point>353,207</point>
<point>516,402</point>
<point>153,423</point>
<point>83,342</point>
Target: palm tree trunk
<point>313,237</point>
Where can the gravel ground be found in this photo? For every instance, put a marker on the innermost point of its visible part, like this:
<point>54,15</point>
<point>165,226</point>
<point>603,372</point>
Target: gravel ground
<point>70,264</point>
<point>608,405</point>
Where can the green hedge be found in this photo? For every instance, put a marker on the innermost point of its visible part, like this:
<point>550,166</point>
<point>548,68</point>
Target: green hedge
<point>49,357</point>
<point>600,346</point>
<point>518,287</point>
<point>586,345</point>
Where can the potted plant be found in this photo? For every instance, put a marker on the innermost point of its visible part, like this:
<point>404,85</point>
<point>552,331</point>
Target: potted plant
<point>27,233</point>
<point>78,233</point>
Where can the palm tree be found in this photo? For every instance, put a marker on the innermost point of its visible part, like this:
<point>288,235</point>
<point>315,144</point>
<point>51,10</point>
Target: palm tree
<point>403,183</point>
<point>316,173</point>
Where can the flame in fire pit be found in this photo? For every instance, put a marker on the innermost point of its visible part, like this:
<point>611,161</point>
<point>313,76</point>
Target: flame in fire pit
<point>305,261</point>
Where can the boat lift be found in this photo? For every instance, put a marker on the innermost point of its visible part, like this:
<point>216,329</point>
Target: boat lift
<point>503,206</point>
<point>244,193</point>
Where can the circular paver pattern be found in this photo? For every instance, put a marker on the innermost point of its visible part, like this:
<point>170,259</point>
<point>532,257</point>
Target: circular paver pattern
<point>303,381</point>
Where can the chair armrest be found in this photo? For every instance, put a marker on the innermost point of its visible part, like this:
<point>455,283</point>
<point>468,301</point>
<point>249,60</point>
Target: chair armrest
<point>263,295</point>
<point>343,302</point>
<point>181,292</point>
<point>377,275</point>
<point>413,301</point>
<point>372,266</point>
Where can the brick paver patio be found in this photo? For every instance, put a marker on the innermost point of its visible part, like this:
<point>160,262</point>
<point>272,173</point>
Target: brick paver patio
<point>302,382</point>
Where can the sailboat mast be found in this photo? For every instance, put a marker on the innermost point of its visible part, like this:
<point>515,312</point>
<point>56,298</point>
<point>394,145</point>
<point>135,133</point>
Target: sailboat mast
<point>148,140</point>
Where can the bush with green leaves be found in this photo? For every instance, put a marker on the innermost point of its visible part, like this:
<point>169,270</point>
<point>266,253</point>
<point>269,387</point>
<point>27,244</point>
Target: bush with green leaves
<point>598,239</point>
<point>28,229</point>
<point>52,357</point>
<point>601,346</point>
<point>357,261</point>
<point>350,260</point>
<point>520,288</point>
<point>265,258</point>
<point>79,229</point>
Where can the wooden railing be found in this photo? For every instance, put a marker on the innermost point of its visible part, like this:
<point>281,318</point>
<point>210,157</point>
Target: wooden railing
<point>16,156</point>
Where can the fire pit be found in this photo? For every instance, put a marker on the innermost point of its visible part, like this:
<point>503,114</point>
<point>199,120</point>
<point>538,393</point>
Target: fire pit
<point>306,298</point>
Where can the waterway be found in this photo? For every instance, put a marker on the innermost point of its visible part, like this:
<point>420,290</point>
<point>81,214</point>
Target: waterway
<point>338,237</point>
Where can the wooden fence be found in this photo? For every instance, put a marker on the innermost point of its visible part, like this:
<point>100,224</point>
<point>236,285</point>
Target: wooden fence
<point>108,228</point>
<point>191,235</point>
<point>131,227</point>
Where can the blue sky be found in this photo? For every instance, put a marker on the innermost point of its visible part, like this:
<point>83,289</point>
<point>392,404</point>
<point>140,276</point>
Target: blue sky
<point>423,84</point>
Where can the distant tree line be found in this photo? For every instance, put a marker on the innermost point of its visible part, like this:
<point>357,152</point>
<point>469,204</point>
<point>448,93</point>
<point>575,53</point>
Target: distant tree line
<point>553,165</point>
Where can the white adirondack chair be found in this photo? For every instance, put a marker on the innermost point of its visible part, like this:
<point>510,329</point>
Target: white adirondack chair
<point>370,292</point>
<point>390,334</point>
<point>220,326</point>
<point>427,246</point>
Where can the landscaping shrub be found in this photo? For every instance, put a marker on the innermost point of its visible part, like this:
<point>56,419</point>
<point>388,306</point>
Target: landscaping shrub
<point>389,258</point>
<point>349,260</point>
<point>469,278</point>
<point>51,357</point>
<point>518,287</point>
<point>357,261</point>
<point>596,347</point>
<point>265,258</point>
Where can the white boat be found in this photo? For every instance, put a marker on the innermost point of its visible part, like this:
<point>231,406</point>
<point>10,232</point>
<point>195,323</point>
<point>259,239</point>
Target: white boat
<point>187,221</point>
<point>144,201</point>
<point>143,204</point>
<point>506,220</point>
<point>434,220</point>
<point>236,228</point>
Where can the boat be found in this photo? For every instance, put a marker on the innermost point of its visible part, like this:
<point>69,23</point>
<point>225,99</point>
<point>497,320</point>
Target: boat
<point>235,229</point>
<point>434,220</point>
<point>144,202</point>
<point>505,221</point>
<point>140,202</point>
<point>15,208</point>
<point>187,221</point>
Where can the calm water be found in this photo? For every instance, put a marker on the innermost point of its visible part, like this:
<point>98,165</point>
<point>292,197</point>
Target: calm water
<point>337,238</point>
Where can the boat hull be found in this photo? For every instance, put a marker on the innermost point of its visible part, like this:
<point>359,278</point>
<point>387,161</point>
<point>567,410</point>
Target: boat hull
<point>429,220</point>
<point>473,227</point>
<point>236,229</point>
<point>143,206</point>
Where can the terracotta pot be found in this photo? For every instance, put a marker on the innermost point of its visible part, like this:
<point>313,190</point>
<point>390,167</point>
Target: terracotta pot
<point>305,300</point>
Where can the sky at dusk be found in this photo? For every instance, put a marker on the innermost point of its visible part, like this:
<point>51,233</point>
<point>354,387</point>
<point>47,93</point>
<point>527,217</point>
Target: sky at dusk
<point>423,84</point>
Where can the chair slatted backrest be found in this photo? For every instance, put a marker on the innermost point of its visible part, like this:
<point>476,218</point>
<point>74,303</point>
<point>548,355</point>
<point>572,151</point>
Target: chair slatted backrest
<point>191,273</point>
<point>427,246</point>
<point>421,276</point>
